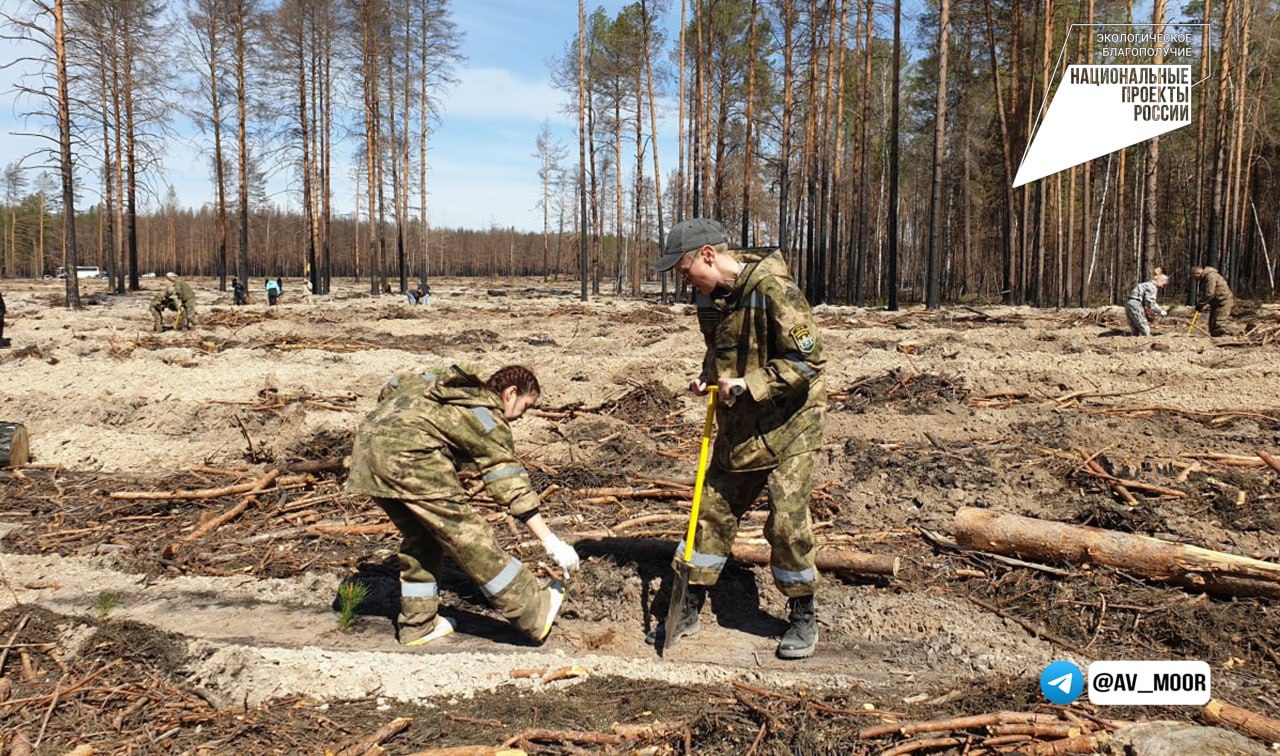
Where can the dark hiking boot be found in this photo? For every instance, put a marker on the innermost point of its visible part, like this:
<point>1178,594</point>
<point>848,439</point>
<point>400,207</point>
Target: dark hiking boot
<point>801,638</point>
<point>693,600</point>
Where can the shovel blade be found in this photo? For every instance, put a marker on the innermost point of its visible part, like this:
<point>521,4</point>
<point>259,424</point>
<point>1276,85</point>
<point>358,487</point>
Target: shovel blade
<point>679,593</point>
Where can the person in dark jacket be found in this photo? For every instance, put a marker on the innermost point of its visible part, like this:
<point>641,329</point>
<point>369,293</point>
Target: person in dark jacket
<point>1215,296</point>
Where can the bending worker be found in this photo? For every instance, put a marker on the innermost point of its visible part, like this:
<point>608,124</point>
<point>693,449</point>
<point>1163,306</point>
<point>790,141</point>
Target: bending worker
<point>764,355</point>
<point>406,456</point>
<point>1215,296</point>
<point>1141,305</point>
<point>176,295</point>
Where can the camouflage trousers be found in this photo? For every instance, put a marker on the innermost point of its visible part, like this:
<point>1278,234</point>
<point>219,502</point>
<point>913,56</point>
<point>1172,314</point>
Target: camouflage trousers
<point>158,306</point>
<point>431,529</point>
<point>1219,313</point>
<point>728,495</point>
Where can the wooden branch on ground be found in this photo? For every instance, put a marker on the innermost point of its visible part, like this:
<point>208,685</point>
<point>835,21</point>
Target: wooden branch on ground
<point>1081,744</point>
<point>1189,566</point>
<point>253,486</point>
<point>376,738</point>
<point>958,723</point>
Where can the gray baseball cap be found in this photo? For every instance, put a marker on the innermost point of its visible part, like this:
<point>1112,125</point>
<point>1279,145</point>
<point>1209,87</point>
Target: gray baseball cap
<point>691,234</point>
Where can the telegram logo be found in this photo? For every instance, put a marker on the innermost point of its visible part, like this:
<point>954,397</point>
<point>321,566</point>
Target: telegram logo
<point>1061,682</point>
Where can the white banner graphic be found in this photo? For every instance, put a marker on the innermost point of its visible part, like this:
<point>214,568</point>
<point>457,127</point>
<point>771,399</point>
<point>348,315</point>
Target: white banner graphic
<point>1099,109</point>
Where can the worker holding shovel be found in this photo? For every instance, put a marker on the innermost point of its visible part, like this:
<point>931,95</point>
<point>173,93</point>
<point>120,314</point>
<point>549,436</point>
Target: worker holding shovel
<point>765,358</point>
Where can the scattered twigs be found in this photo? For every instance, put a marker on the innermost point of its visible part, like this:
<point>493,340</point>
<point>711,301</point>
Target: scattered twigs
<point>1123,486</point>
<point>1037,630</point>
<point>4,654</point>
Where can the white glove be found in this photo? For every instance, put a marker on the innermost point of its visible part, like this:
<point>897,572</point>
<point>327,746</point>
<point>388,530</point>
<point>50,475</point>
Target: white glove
<point>562,553</point>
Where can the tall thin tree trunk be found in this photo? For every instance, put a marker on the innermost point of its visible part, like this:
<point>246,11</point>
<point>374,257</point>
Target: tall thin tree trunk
<point>583,264</point>
<point>892,282</point>
<point>70,258</point>
<point>1150,207</point>
<point>933,300</point>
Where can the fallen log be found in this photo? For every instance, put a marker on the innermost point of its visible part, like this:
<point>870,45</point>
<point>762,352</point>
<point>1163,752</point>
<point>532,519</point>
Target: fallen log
<point>827,560</point>
<point>15,449</point>
<point>1255,725</point>
<point>1189,566</point>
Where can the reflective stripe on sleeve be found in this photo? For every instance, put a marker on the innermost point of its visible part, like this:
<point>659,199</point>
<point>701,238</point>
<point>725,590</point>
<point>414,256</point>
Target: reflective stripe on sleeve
<point>788,576</point>
<point>503,579</point>
<point>417,590</point>
<point>503,472</point>
<point>485,417</point>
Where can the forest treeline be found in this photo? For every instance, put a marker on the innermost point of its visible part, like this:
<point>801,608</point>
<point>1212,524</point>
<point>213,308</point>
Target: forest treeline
<point>880,157</point>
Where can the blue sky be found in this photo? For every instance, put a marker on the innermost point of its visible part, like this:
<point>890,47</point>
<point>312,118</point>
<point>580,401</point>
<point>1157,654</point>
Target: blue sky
<point>482,166</point>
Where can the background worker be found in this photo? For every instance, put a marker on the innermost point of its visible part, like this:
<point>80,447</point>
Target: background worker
<point>1215,296</point>
<point>239,292</point>
<point>406,457</point>
<point>1141,305</point>
<point>175,295</point>
<point>3,341</point>
<point>764,354</point>
<point>273,291</point>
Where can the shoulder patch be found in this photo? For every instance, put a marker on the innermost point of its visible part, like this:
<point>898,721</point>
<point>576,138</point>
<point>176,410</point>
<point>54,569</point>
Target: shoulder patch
<point>802,335</point>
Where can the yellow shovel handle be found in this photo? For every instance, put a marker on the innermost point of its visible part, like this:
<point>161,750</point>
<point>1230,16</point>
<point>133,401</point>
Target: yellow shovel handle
<point>1192,327</point>
<point>702,473</point>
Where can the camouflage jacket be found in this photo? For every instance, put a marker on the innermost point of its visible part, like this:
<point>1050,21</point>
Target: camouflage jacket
<point>763,331</point>
<point>1213,288</point>
<point>184,292</point>
<point>165,294</point>
<point>412,444</point>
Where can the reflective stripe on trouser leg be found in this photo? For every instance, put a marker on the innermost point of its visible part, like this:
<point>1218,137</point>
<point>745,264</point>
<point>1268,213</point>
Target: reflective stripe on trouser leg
<point>420,557</point>
<point>726,496</point>
<point>789,528</point>
<point>465,535</point>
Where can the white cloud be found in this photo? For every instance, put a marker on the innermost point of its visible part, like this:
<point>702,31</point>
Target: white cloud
<point>500,94</point>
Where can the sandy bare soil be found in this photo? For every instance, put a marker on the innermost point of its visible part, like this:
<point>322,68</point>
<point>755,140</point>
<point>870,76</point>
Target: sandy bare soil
<point>143,624</point>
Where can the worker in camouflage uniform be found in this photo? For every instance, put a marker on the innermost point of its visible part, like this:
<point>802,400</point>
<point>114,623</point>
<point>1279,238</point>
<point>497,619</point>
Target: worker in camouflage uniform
<point>1141,306</point>
<point>1215,296</point>
<point>177,296</point>
<point>406,456</point>
<point>765,356</point>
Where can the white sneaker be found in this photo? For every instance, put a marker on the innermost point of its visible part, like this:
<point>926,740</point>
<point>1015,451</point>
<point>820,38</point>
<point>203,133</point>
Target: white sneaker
<point>444,626</point>
<point>557,598</point>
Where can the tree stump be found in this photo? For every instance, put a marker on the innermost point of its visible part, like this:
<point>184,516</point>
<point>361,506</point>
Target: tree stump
<point>14,449</point>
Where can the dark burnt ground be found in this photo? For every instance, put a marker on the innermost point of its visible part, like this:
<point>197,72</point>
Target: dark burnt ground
<point>120,687</point>
<point>308,524</point>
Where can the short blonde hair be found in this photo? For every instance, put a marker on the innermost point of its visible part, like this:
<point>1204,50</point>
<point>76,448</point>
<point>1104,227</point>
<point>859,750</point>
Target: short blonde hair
<point>1161,279</point>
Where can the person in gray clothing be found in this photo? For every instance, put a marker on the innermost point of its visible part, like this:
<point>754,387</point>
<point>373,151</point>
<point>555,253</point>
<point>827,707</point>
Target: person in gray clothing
<point>1141,305</point>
